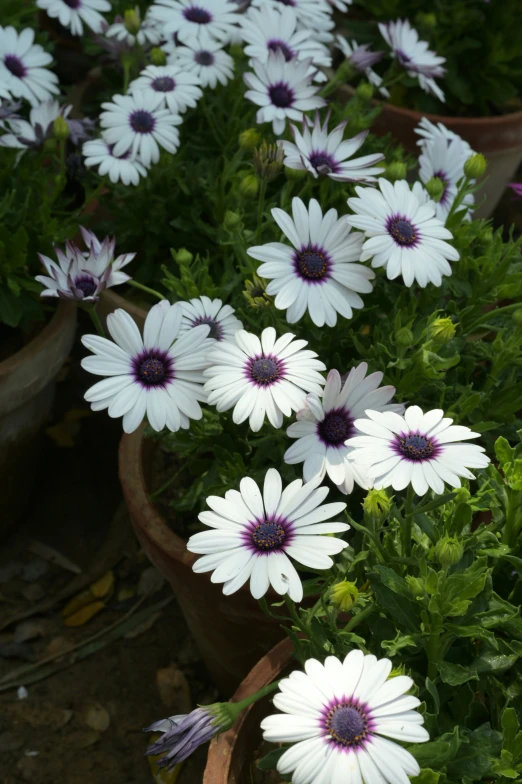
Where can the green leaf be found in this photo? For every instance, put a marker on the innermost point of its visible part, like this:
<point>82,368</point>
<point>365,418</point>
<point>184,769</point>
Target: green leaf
<point>473,758</point>
<point>439,751</point>
<point>270,760</point>
<point>10,307</point>
<point>510,726</point>
<point>434,693</point>
<point>504,452</point>
<point>426,776</point>
<point>455,674</point>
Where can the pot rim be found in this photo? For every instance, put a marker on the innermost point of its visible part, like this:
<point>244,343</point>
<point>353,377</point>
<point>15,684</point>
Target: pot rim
<point>63,313</point>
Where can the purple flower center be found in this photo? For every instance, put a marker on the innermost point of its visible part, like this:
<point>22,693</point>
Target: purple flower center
<point>347,724</point>
<point>281,95</point>
<point>312,264</point>
<point>280,46</point>
<point>269,536</point>
<point>287,2</point>
<point>402,231</point>
<point>416,447</point>
<point>153,368</point>
<point>142,121</point>
<point>322,163</point>
<point>336,428</point>
<point>403,58</point>
<point>86,284</point>
<point>197,15</point>
<point>152,371</point>
<point>265,371</point>
<point>443,177</point>
<point>216,330</point>
<point>163,84</point>
<point>204,58</point>
<point>15,66</point>
<point>73,3</point>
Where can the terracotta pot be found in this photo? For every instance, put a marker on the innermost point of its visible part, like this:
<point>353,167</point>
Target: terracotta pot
<point>231,632</point>
<point>230,755</point>
<point>27,382</point>
<point>110,301</point>
<point>498,138</point>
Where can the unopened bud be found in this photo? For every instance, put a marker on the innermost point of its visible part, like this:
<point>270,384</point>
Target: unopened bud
<point>232,220</point>
<point>158,56</point>
<point>364,91</point>
<point>475,166</point>
<point>377,503</point>
<point>249,139</point>
<point>249,185</point>
<point>463,495</point>
<point>132,20</point>
<point>254,293</point>
<point>404,337</point>
<point>517,317</point>
<point>61,128</point>
<point>435,188</point>
<point>429,21</point>
<point>415,585</point>
<point>344,595</point>
<point>268,161</point>
<point>396,171</point>
<point>442,330</point>
<point>183,256</point>
<point>448,550</point>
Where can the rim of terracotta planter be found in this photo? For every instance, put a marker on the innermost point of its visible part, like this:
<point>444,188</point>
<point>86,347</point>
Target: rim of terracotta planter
<point>221,750</point>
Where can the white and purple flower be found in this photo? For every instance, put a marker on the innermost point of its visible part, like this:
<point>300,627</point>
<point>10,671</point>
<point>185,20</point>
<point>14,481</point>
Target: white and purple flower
<point>148,34</point>
<point>414,55</point>
<point>73,14</point>
<point>254,534</point>
<point>444,158</point>
<point>362,58</point>
<point>325,423</point>
<point>423,450</point>
<point>403,233</point>
<point>190,18</point>
<point>336,714</point>
<point>158,376</point>
<point>126,168</point>
<point>325,154</point>
<point>182,734</point>
<point>23,71</point>
<point>261,377</point>
<point>204,57</point>
<point>220,318</point>
<point>313,15</point>
<point>178,89</point>
<point>319,274</point>
<point>23,134</point>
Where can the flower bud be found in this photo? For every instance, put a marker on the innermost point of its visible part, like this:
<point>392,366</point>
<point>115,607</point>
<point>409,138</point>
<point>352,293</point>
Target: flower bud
<point>132,20</point>
<point>254,293</point>
<point>442,330</point>
<point>435,188</point>
<point>517,317</point>
<point>268,161</point>
<point>61,128</point>
<point>475,166</point>
<point>249,139</point>
<point>404,337</point>
<point>183,256</point>
<point>249,186</point>
<point>364,91</point>
<point>232,220</point>
<point>428,21</point>
<point>448,550</point>
<point>344,595</point>
<point>377,503</point>
<point>396,171</point>
<point>415,585</point>
<point>463,495</point>
<point>158,56</point>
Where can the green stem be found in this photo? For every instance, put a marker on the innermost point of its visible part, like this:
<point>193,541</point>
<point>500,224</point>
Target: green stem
<point>260,207</point>
<point>126,75</point>
<point>301,625</point>
<point>433,651</point>
<point>459,198</point>
<point>258,695</point>
<point>140,286</point>
<point>164,486</point>
<point>361,616</point>
<point>96,321</point>
<point>492,313</point>
<point>408,523</point>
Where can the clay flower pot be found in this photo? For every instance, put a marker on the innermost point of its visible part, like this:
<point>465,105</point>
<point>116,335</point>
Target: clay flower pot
<point>231,632</point>
<point>498,138</point>
<point>230,755</point>
<point>27,382</point>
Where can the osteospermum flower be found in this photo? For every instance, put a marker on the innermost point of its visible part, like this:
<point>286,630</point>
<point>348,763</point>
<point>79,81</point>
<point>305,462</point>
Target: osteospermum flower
<point>148,33</point>
<point>34,132</point>
<point>362,59</point>
<point>313,15</point>
<point>125,168</point>
<point>205,59</point>
<point>274,28</point>
<point>445,158</point>
<point>82,276</point>
<point>326,154</point>
<point>259,377</point>
<point>189,18</point>
<point>404,236</point>
<point>325,423</point>
<point>319,273</point>
<point>282,89</point>
<point>23,71</point>
<point>74,13</point>
<point>336,714</point>
<point>220,318</point>
<point>423,450</point>
<point>157,376</point>
<point>138,124</point>
<point>178,89</point>
<point>429,131</point>
<point>414,55</point>
<point>253,535</point>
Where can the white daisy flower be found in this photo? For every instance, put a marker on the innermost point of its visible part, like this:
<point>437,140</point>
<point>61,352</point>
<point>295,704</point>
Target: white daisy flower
<point>120,168</point>
<point>318,274</point>
<point>282,89</point>
<point>326,154</point>
<point>445,158</point>
<point>428,131</point>
<point>178,89</point>
<point>404,236</point>
<point>313,15</point>
<point>138,124</point>
<point>205,59</point>
<point>74,13</point>
<point>220,318</point>
<point>335,715</point>
<point>158,376</point>
<point>362,59</point>
<point>82,276</point>
<point>23,71</point>
<point>414,55</point>
<point>259,377</point>
<point>254,535</point>
<point>325,423</point>
<point>341,5</point>
<point>423,450</point>
<point>190,18</point>
<point>272,29</point>
<point>149,33</point>
<point>35,131</point>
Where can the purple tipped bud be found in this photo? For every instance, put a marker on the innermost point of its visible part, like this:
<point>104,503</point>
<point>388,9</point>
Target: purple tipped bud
<point>183,734</point>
